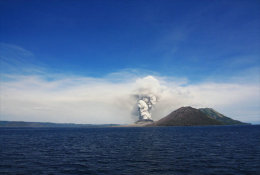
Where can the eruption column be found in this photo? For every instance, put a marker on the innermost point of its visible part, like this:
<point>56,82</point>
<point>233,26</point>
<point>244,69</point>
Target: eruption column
<point>145,104</point>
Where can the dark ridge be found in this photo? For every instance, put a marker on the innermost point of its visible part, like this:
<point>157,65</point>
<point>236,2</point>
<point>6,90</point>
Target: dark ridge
<point>186,116</point>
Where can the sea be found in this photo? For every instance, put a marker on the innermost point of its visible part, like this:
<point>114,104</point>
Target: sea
<point>203,150</point>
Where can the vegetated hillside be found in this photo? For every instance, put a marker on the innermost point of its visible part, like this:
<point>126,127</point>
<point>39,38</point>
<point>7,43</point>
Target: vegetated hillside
<point>220,117</point>
<point>186,116</point>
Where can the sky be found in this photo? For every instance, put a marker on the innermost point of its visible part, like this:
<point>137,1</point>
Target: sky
<point>85,61</point>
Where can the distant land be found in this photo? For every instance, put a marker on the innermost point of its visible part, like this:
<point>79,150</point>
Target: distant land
<point>184,116</point>
<point>188,116</point>
<point>47,124</point>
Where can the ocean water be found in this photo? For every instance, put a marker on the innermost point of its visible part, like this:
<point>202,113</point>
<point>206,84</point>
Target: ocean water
<point>155,150</point>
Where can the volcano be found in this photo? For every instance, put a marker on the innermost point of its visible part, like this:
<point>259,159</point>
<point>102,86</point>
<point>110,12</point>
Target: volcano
<point>186,116</point>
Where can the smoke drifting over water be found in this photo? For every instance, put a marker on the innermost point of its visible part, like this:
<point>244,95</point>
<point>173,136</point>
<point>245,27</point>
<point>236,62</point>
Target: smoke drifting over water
<point>130,98</point>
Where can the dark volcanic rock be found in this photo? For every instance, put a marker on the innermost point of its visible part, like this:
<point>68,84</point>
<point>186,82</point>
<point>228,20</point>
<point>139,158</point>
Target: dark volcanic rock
<point>186,116</point>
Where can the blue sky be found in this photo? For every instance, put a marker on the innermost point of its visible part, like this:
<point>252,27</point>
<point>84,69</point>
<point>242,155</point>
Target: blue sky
<point>195,41</point>
<point>181,38</point>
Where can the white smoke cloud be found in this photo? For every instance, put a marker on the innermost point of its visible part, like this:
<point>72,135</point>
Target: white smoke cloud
<point>102,100</point>
<point>148,88</point>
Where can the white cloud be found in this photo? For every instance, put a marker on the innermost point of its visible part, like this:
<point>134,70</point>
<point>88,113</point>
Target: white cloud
<point>103,100</point>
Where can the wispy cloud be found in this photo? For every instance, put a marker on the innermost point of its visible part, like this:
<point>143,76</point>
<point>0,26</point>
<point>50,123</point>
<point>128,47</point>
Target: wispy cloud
<point>15,59</point>
<point>32,93</point>
<point>102,100</point>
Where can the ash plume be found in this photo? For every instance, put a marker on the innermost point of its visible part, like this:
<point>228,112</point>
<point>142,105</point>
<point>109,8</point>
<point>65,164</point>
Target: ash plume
<point>145,105</point>
<point>147,93</point>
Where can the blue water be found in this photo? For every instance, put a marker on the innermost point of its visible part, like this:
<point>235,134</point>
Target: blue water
<point>156,150</point>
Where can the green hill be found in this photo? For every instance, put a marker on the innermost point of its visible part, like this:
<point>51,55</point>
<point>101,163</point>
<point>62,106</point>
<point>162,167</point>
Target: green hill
<point>220,117</point>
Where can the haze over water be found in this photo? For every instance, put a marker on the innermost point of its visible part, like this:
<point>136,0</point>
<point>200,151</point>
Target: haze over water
<point>90,62</point>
